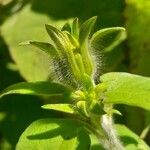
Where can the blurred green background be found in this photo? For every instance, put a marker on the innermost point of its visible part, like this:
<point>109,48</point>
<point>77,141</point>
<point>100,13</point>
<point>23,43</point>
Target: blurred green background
<point>22,20</point>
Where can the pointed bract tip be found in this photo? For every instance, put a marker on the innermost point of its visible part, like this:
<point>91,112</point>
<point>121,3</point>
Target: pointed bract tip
<point>76,19</point>
<point>46,26</point>
<point>94,18</point>
<point>49,27</point>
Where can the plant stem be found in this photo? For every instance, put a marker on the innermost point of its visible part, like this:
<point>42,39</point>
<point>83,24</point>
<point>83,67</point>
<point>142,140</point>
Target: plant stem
<point>111,140</point>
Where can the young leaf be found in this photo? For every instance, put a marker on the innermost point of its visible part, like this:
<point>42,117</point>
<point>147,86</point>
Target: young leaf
<point>57,134</point>
<point>72,40</point>
<point>66,27</point>
<point>67,108</point>
<point>125,88</point>
<point>75,28</point>
<point>106,39</point>
<point>36,88</point>
<point>82,108</point>
<point>33,65</point>
<point>46,47</point>
<point>57,36</point>
<point>86,28</point>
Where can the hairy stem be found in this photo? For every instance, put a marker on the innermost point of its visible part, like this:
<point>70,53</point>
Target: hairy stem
<point>111,140</point>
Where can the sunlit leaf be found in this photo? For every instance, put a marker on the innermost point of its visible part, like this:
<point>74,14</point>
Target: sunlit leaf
<point>86,28</point>
<point>106,39</point>
<point>57,37</point>
<point>73,41</point>
<point>67,108</point>
<point>84,33</point>
<point>36,88</point>
<point>58,134</point>
<point>24,25</point>
<point>32,64</point>
<point>66,27</point>
<point>126,88</point>
<point>46,47</point>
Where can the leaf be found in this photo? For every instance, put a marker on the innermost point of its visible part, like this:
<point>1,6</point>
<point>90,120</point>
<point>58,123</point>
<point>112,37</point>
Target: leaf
<point>95,143</point>
<point>126,88</point>
<point>84,138</point>
<point>106,39</point>
<point>67,108</point>
<point>75,28</point>
<point>46,47</point>
<point>33,65</point>
<point>58,134</point>
<point>82,108</point>
<point>36,88</point>
<point>57,37</point>
<point>86,28</point>
<point>130,140</point>
<point>66,27</point>
<point>72,40</point>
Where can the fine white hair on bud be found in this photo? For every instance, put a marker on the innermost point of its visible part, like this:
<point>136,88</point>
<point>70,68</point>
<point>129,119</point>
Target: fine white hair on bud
<point>62,72</point>
<point>96,55</point>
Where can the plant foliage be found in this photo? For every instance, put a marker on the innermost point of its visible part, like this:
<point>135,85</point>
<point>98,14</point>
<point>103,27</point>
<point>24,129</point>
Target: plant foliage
<point>74,55</point>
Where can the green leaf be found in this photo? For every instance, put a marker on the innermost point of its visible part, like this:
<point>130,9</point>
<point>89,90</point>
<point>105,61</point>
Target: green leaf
<point>95,143</point>
<point>66,27</point>
<point>82,108</point>
<point>72,40</point>
<point>126,88</point>
<point>67,108</point>
<point>130,140</point>
<point>75,28</point>
<point>36,88</point>
<point>106,39</point>
<point>86,28</point>
<point>84,138</point>
<point>33,65</point>
<point>57,37</point>
<point>46,47</point>
<point>58,134</point>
